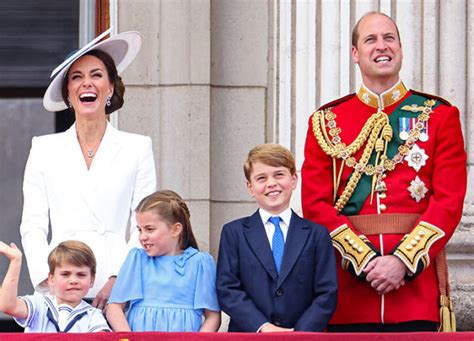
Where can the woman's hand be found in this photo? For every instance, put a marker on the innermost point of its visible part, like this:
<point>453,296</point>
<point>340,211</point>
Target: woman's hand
<point>100,301</point>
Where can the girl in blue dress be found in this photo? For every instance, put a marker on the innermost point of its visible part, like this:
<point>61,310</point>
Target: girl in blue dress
<point>168,285</point>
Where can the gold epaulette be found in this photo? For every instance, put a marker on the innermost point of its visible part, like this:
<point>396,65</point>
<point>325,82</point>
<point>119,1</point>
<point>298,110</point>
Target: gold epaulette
<point>416,245</point>
<point>352,248</point>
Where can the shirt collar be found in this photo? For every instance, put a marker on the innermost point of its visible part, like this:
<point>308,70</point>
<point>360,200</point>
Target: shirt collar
<point>52,303</point>
<point>285,215</point>
<point>385,99</point>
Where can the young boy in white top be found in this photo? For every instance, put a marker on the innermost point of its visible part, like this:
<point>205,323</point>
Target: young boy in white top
<point>72,267</point>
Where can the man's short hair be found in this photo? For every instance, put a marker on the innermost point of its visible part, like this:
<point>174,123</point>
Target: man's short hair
<point>355,30</point>
<point>72,252</point>
<point>270,154</point>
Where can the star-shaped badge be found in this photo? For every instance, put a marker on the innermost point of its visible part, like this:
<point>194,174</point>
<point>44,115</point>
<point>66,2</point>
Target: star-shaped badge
<point>417,189</point>
<point>416,157</point>
<point>396,95</point>
<point>366,97</point>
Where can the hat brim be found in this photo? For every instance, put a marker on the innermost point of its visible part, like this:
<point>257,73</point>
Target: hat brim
<point>123,48</point>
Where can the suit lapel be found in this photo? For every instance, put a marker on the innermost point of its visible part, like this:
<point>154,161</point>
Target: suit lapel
<point>298,232</point>
<point>257,238</point>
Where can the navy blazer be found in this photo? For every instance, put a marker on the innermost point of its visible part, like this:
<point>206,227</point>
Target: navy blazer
<point>302,297</point>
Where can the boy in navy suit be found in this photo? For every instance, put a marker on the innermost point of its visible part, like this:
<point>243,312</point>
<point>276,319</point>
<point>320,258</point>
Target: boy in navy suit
<point>276,271</point>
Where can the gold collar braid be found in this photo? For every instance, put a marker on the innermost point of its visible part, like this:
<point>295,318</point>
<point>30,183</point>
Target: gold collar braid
<point>383,100</point>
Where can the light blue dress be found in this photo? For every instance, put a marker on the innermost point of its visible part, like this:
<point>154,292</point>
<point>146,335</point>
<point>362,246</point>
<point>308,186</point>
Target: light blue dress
<point>166,293</point>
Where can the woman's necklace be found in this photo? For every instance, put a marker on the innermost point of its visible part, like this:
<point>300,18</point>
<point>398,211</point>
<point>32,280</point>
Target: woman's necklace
<point>90,151</point>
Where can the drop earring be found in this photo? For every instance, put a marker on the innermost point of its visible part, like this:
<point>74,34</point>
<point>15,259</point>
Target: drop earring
<point>108,103</point>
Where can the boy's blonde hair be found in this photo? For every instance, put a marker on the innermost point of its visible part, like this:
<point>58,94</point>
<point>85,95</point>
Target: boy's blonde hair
<point>72,252</point>
<point>271,154</point>
<point>172,209</point>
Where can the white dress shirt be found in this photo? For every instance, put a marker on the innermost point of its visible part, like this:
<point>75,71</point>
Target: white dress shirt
<point>285,218</point>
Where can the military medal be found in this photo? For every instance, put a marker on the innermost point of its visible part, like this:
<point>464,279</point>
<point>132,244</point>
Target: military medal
<point>406,124</point>
<point>416,157</point>
<point>404,128</point>
<point>424,132</point>
<point>417,189</point>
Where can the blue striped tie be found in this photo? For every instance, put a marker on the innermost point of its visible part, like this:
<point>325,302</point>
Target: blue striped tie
<point>278,242</point>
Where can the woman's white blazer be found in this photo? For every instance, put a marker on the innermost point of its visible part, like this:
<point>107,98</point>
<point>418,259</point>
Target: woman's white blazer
<point>94,205</point>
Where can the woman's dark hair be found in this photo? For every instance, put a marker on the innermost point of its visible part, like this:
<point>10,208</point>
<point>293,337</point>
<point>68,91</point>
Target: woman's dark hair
<point>115,79</point>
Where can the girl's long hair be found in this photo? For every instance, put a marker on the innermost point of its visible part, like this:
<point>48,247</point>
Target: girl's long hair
<point>172,209</point>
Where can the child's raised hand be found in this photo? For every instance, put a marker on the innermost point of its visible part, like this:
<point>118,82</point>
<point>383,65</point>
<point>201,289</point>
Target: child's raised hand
<point>12,252</point>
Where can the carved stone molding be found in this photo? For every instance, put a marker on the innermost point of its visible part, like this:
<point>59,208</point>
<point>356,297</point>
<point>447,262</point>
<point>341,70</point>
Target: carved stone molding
<point>461,269</point>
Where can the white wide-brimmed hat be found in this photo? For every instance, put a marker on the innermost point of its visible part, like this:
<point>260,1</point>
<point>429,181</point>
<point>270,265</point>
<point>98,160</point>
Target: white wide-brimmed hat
<point>123,48</point>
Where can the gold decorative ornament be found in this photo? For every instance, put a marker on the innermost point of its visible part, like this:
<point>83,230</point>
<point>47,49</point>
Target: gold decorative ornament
<point>415,246</point>
<point>352,248</point>
<point>417,189</point>
<point>375,134</point>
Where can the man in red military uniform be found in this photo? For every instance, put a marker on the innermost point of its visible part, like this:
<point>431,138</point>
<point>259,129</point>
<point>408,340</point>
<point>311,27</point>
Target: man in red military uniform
<point>385,171</point>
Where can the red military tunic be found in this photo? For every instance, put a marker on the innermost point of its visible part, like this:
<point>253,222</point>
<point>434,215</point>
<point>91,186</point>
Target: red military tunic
<point>443,178</point>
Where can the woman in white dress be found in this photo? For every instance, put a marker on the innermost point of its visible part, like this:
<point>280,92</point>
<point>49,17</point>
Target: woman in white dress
<point>85,183</point>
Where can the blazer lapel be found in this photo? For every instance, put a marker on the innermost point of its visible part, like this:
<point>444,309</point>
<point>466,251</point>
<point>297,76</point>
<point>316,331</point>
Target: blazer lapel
<point>298,232</point>
<point>74,168</point>
<point>72,154</point>
<point>257,238</point>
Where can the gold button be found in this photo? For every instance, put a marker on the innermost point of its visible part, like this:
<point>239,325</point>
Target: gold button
<point>413,242</point>
<point>408,247</point>
<point>421,233</point>
<point>382,207</point>
<point>360,249</point>
<point>355,246</point>
<point>382,195</point>
<point>351,241</point>
<point>347,237</point>
<point>417,238</point>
